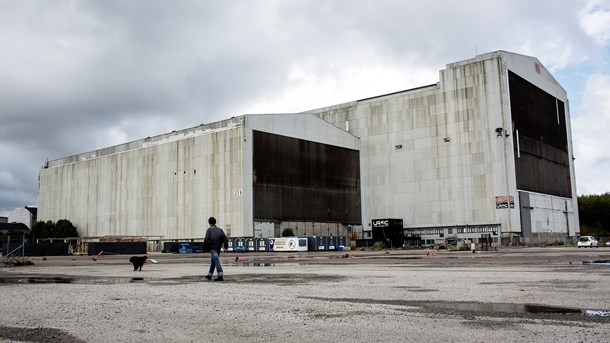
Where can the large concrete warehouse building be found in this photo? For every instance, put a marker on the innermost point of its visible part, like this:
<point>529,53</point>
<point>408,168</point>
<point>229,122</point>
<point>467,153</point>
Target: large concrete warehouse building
<point>484,152</point>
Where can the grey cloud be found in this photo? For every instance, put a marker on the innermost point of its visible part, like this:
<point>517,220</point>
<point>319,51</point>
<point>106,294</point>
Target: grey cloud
<point>80,75</point>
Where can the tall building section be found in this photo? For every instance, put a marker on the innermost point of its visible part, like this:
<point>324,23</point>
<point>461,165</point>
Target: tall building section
<point>486,150</point>
<point>484,153</point>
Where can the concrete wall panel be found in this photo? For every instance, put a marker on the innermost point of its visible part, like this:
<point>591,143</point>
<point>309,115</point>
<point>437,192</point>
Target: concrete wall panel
<point>165,188</point>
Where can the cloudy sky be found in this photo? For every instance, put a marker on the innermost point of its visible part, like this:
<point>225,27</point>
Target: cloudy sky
<point>80,75</point>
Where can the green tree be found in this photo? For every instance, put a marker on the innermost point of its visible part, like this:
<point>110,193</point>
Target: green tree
<point>64,228</point>
<point>594,215</point>
<point>41,229</point>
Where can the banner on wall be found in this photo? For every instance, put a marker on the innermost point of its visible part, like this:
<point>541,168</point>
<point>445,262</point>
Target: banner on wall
<point>505,201</point>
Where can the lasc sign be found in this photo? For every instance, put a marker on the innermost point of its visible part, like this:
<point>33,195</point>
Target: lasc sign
<point>381,223</point>
<point>387,223</point>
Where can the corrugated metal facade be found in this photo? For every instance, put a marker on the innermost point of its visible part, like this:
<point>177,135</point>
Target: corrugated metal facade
<point>299,180</point>
<point>540,139</point>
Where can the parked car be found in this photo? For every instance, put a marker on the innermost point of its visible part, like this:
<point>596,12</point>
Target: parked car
<point>587,241</point>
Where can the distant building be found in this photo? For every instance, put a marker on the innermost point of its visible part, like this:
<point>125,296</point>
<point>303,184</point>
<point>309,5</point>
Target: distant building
<point>485,153</point>
<point>26,215</point>
<point>13,229</point>
<point>3,219</point>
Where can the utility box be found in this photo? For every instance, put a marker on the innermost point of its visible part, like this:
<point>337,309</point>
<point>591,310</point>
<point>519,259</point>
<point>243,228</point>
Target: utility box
<point>342,241</point>
<point>261,244</point>
<point>240,244</point>
<point>331,243</point>
<point>316,243</point>
<point>250,244</point>
<point>230,244</point>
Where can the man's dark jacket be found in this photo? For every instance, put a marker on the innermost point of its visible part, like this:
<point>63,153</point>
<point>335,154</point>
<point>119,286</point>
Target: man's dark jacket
<point>215,238</point>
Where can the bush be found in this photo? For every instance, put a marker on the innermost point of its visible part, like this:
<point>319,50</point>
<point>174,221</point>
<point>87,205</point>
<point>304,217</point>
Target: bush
<point>378,246</point>
<point>287,232</point>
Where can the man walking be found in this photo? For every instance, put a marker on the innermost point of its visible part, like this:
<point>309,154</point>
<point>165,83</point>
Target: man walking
<point>215,238</point>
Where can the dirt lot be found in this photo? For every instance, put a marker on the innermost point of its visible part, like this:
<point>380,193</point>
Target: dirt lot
<point>516,295</point>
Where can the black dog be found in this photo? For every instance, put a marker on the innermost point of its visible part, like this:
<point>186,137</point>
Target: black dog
<point>138,262</point>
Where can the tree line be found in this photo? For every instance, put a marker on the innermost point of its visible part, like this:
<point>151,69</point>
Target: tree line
<point>63,228</point>
<point>594,215</point>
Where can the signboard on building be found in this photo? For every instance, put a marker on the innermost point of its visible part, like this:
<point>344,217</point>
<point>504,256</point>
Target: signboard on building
<point>387,223</point>
<point>505,201</point>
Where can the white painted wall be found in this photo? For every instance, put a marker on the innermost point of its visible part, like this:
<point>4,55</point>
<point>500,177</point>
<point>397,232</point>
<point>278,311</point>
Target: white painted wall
<point>549,214</point>
<point>165,186</point>
<point>451,163</point>
<point>21,215</point>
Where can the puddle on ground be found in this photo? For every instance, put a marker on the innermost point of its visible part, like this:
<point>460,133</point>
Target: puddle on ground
<point>98,280</point>
<point>69,280</point>
<point>477,307</point>
<point>275,279</point>
<point>392,257</point>
<point>507,308</point>
<point>252,264</point>
<point>515,308</point>
<point>603,262</point>
<point>266,264</point>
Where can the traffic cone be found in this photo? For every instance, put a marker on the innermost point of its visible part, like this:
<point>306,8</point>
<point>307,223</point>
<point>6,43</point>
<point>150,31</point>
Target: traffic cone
<point>96,257</point>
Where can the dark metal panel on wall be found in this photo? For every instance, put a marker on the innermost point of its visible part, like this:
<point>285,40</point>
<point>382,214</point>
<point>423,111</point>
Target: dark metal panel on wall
<point>540,139</point>
<point>525,214</point>
<point>299,180</point>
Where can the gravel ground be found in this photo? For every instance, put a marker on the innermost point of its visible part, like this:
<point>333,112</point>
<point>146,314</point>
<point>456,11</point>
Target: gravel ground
<point>324,297</point>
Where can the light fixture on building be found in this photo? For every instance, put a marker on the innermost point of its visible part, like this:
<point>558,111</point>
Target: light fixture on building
<point>398,146</point>
<point>499,131</point>
<point>447,139</point>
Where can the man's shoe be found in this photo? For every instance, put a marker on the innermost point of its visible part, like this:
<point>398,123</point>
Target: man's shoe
<point>219,279</point>
<point>209,277</point>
